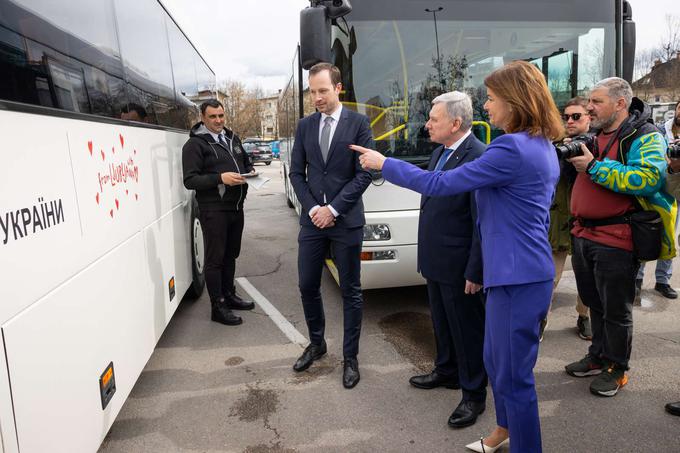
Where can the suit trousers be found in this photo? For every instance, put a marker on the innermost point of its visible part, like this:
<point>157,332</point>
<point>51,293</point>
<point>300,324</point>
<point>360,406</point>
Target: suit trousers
<point>513,314</point>
<point>458,322</point>
<point>222,231</point>
<point>345,244</point>
<point>605,277</point>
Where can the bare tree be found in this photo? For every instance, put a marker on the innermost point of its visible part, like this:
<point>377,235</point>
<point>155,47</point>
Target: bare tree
<point>669,46</point>
<point>242,109</point>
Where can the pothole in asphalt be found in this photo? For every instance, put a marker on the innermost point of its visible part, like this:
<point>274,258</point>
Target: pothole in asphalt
<point>233,361</point>
<point>411,335</point>
<point>257,404</point>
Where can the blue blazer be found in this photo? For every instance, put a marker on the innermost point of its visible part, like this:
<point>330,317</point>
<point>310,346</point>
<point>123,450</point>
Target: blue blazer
<point>449,249</point>
<point>515,179</point>
<point>340,180</point>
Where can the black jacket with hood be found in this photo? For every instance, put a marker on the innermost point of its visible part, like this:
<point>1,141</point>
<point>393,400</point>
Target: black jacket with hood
<point>204,160</point>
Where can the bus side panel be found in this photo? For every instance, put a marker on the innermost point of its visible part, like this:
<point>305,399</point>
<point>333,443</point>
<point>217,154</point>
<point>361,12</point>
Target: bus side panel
<point>168,265</point>
<point>8,437</point>
<point>60,346</point>
<point>36,185</point>
<point>75,191</point>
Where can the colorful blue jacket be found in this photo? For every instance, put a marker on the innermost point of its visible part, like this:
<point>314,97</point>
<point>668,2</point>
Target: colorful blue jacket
<point>640,170</point>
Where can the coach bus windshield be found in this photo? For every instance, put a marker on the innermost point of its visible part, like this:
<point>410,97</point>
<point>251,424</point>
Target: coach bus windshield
<point>397,55</point>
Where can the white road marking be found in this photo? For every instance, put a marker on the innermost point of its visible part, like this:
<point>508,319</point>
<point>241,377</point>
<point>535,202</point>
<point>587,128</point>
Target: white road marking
<point>281,322</point>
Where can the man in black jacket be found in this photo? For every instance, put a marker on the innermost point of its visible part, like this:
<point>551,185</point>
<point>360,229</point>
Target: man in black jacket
<point>213,161</point>
<point>450,258</point>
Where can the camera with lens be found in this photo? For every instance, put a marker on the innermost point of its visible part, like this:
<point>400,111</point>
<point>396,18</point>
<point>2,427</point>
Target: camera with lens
<point>673,151</point>
<point>573,148</point>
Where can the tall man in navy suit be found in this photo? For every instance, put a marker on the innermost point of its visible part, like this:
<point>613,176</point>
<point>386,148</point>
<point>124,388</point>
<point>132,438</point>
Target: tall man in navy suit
<point>450,258</point>
<point>329,182</point>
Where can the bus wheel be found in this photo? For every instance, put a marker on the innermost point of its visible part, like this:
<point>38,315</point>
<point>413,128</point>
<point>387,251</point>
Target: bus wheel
<point>197,254</point>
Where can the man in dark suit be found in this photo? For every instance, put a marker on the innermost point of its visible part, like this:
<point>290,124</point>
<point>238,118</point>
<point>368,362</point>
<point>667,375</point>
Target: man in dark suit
<point>329,182</point>
<point>450,258</point>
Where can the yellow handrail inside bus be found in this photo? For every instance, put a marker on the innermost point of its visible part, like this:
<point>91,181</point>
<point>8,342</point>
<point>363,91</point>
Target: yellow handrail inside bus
<point>393,131</point>
<point>487,127</point>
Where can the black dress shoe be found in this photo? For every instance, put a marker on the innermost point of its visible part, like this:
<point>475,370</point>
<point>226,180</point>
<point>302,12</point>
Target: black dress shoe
<point>312,352</point>
<point>666,290</point>
<point>434,380</point>
<point>221,313</point>
<point>350,373</point>
<point>466,414</point>
<point>673,408</point>
<point>236,303</point>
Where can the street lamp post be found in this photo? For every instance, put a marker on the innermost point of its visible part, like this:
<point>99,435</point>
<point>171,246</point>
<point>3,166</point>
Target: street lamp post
<point>436,37</point>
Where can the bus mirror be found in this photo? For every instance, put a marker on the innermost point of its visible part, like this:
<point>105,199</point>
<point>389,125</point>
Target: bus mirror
<point>338,8</point>
<point>628,42</point>
<point>315,36</point>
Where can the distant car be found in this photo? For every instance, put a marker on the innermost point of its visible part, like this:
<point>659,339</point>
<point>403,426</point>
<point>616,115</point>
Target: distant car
<point>259,153</point>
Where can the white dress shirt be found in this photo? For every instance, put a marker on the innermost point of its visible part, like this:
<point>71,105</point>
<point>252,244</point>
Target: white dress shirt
<point>456,144</point>
<point>334,124</point>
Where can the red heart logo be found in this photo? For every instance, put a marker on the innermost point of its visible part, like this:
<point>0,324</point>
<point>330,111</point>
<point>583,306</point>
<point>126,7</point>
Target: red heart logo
<point>97,197</point>
<point>113,150</point>
<point>136,197</point>
<point>126,191</point>
<point>111,213</point>
<point>117,203</point>
<point>89,146</point>
<point>103,155</point>
<point>122,141</point>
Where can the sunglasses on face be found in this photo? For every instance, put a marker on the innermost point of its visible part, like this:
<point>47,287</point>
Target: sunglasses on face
<point>573,116</point>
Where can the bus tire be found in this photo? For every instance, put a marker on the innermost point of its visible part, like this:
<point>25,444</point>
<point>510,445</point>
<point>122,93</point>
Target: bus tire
<point>197,254</point>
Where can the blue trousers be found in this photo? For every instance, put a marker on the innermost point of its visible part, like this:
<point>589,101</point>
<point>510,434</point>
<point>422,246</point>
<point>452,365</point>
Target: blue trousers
<point>663,272</point>
<point>513,314</point>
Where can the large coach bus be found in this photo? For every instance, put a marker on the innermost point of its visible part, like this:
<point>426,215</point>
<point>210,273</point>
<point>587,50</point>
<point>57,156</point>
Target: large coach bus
<point>397,55</point>
<point>99,240</point>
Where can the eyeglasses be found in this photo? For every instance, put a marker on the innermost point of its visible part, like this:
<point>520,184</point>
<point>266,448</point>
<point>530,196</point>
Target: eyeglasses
<point>573,116</point>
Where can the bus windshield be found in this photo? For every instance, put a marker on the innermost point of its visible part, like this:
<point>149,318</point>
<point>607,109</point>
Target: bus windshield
<point>396,56</point>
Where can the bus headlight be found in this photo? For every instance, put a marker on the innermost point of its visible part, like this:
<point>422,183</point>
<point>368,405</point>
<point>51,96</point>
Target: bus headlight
<point>379,232</point>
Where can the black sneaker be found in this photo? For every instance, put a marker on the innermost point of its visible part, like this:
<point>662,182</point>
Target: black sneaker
<point>587,366</point>
<point>609,382</point>
<point>666,290</point>
<point>583,326</point>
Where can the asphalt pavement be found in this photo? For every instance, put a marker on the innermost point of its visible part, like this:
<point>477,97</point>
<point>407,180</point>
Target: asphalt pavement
<point>214,388</point>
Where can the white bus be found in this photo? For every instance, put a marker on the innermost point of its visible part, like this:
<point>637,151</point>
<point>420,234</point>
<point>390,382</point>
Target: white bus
<point>98,237</point>
<point>395,56</point>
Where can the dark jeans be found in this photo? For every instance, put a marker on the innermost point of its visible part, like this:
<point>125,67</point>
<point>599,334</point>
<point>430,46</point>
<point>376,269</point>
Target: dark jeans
<point>605,278</point>
<point>458,322</point>
<point>222,231</point>
<point>313,248</point>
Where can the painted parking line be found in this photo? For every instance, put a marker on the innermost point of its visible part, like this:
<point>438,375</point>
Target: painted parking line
<point>281,322</point>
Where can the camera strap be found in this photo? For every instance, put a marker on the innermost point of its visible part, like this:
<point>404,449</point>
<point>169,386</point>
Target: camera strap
<point>614,137</point>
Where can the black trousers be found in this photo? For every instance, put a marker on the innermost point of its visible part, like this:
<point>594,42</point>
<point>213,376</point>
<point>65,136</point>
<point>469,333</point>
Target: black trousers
<point>605,279</point>
<point>314,245</point>
<point>458,322</point>
<point>222,231</point>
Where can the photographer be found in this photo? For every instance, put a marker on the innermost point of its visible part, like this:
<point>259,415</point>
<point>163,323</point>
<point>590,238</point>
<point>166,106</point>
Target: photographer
<point>664,268</point>
<point>625,172</point>
<point>577,123</point>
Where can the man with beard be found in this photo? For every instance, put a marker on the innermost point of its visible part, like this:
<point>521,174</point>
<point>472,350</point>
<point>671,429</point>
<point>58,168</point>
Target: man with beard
<point>625,172</point>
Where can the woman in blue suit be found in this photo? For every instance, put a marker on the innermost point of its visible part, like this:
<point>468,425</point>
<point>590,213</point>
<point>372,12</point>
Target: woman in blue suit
<point>515,179</point>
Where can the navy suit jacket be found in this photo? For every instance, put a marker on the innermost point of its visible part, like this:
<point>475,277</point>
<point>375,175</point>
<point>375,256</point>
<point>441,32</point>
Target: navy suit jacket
<point>449,249</point>
<point>340,181</point>
<point>515,179</point>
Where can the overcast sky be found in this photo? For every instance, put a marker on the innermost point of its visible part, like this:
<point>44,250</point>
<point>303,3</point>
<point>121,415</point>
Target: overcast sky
<point>254,40</point>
